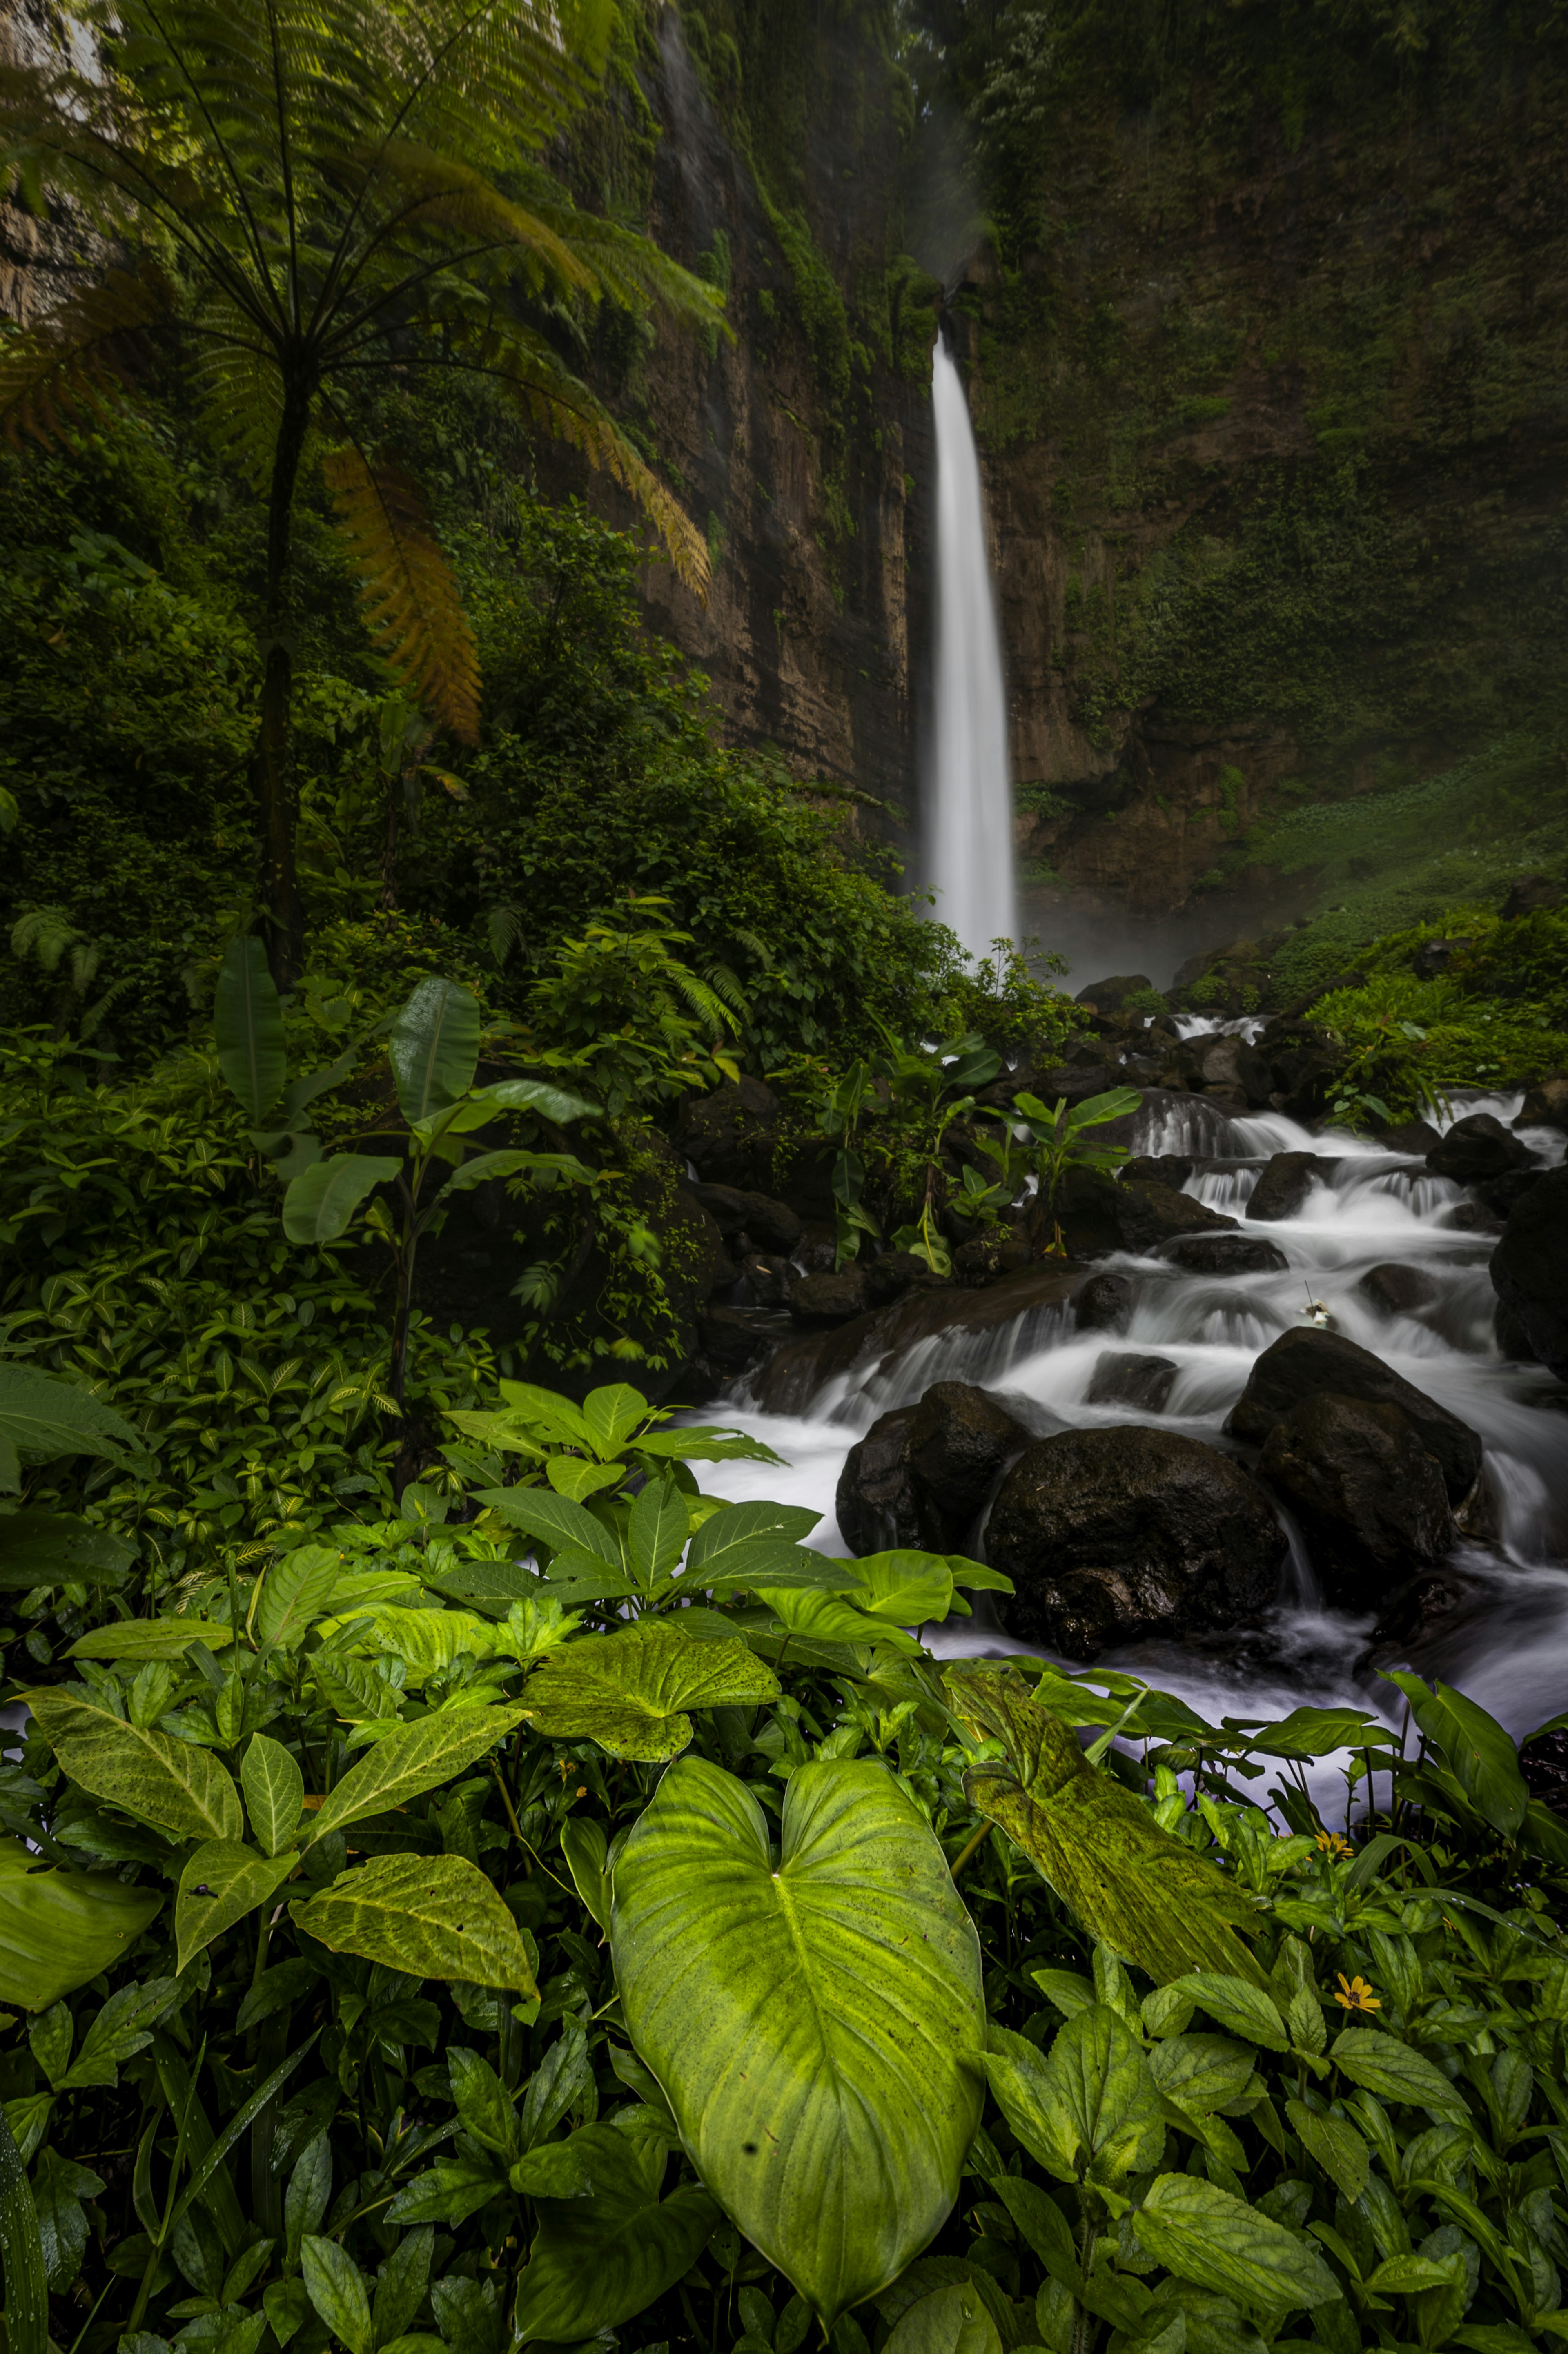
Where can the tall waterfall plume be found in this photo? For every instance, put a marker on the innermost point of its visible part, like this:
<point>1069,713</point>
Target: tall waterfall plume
<point>969,834</point>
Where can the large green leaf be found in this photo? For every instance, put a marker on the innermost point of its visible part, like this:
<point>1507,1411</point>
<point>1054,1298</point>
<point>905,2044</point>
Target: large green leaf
<point>433,1916</point>
<point>274,1790</point>
<point>249,1022</point>
<point>538,1096</point>
<point>1475,1749</point>
<point>424,1640</point>
<point>554,1520</point>
<point>434,1047</point>
<point>40,1548</point>
<point>1092,2105</point>
<point>21,2248</point>
<point>319,1204</point>
<point>835,1618</point>
<point>601,2259</point>
<point>1336,2145</point>
<point>907,1588</point>
<point>151,1638</point>
<point>1391,2070</point>
<point>952,2321</point>
<point>182,1789</point>
<point>59,1929</point>
<point>1205,2234</point>
<point>334,2287</point>
<point>630,1692</point>
<point>818,2027</point>
<point>220,1883</point>
<point>295,1592</point>
<point>42,1420</point>
<point>407,1763</point>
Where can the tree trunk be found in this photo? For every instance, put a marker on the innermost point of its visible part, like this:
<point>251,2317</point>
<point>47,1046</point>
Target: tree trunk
<point>277,787</point>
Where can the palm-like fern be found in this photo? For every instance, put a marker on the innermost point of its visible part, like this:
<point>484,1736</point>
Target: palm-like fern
<point>324,185</point>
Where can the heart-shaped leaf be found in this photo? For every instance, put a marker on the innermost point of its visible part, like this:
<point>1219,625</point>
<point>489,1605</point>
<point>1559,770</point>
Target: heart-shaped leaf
<point>630,1692</point>
<point>434,1916</point>
<point>818,2027</point>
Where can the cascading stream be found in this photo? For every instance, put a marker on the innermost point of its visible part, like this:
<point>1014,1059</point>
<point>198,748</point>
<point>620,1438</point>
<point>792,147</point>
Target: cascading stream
<point>1509,1650</point>
<point>970,848</point>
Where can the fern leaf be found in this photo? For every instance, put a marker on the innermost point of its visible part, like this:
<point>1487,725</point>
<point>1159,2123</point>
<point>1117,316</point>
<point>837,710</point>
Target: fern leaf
<point>72,364</point>
<point>408,593</point>
<point>1149,1896</point>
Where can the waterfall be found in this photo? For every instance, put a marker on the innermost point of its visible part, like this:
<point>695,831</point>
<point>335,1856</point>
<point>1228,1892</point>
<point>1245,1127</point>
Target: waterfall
<point>969,838</point>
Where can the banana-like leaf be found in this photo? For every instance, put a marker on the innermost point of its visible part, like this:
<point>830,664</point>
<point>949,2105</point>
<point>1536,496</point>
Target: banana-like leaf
<point>59,1929</point>
<point>433,1916</point>
<point>320,1203</point>
<point>182,1790</point>
<point>818,2028</point>
<point>554,1104</point>
<point>408,1763</point>
<point>630,1692</point>
<point>434,1047</point>
<point>42,1420</point>
<point>220,1883</point>
<point>248,1023</point>
<point>41,1548</point>
<point>1146,1894</point>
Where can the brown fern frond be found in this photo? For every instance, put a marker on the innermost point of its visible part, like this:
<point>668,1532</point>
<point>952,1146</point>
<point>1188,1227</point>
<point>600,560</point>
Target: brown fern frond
<point>408,593</point>
<point>70,365</point>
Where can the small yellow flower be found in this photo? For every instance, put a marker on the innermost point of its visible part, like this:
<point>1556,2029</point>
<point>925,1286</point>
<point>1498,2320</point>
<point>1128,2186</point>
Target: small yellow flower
<point>1333,1846</point>
<point>1355,1994</point>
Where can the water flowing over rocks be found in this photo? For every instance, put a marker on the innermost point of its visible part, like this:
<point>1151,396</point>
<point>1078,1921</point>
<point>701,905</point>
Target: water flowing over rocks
<point>922,1474</point>
<point>1477,1147</point>
<point>1286,1184</point>
<point>1111,1534</point>
<point>1225,1254</point>
<point>1097,1214</point>
<point>1306,1364</point>
<point>1122,1377</point>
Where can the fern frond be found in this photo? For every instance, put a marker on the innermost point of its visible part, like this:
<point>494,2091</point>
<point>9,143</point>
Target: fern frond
<point>238,387</point>
<point>72,364</point>
<point>726,984</point>
<point>631,268</point>
<point>504,927</point>
<point>716,1017</point>
<point>409,598</point>
<point>438,192</point>
<point>560,404</point>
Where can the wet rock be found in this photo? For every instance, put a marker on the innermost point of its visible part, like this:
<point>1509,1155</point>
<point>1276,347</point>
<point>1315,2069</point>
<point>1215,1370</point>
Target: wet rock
<point>769,1226</point>
<point>1545,1105</point>
<point>1234,1071</point>
<point>1225,1254</point>
<point>736,1339</point>
<point>1512,1339</point>
<point>1432,957</point>
<point>1397,1290</point>
<point>1304,1363</point>
<point>1122,1378</point>
<point>994,1252</point>
<point>1157,1169</point>
<point>728,1135</point>
<point>1286,1184</point>
<point>818,1249</point>
<point>1098,1215</point>
<point>895,1273</point>
<point>1111,996</point>
<point>1108,1534</point>
<point>1471,1218</point>
<point>1105,1304</point>
<point>1530,1269</point>
<point>1477,1146</point>
<point>922,1474</point>
<point>793,1377</point>
<point>1304,1070</point>
<point>767,1279</point>
<point>1528,894</point>
<point>829,1299</point>
<point>1423,1604</point>
<point>1501,1196</point>
<point>1370,1501</point>
<point>1075,1082</point>
<point>1416,1137</point>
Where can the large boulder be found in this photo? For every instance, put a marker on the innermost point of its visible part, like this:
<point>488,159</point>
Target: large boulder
<point>1529,895</point>
<point>1369,1497</point>
<point>1098,1215</point>
<point>1111,996</point>
<point>1225,1254</point>
<point>766,1225</point>
<point>922,1474</point>
<point>1107,1534</point>
<point>1304,1363</point>
<point>899,1271</point>
<point>728,1136</point>
<point>1286,1184</point>
<point>1416,1137</point>
<point>1477,1146</point>
<point>1122,1377</point>
<point>1530,1270</point>
<point>1545,1105</point>
<point>1397,1290</point>
<point>1157,1169</point>
<point>1105,1304</point>
<point>1235,1073</point>
<point>828,1298</point>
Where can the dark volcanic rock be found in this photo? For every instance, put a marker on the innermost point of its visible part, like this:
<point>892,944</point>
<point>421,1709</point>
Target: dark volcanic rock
<point>1286,1184</point>
<point>829,1299</point>
<point>1530,1269</point>
<point>794,1376</point>
<point>735,1338</point>
<point>1397,1290</point>
<point>1098,1215</point>
<point>767,1279</point>
<point>1545,1105</point>
<point>1369,1497</point>
<point>1417,1137</point>
<point>994,1252</point>
<point>1304,1363</point>
<point>728,1135</point>
<point>1529,894</point>
<point>1105,1304</point>
<point>896,1272</point>
<point>1225,1254</point>
<point>769,1226</point>
<point>1433,956</point>
<point>1122,1378</point>
<point>922,1474</point>
<point>1502,1196</point>
<point>1477,1146</point>
<point>1112,1533</point>
<point>1234,1071</point>
<point>1157,1169</point>
<point>1110,996</point>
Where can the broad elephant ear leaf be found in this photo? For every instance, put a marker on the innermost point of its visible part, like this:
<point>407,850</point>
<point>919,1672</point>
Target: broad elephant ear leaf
<point>630,1692</point>
<point>59,1929</point>
<point>434,1047</point>
<point>819,2027</point>
<point>248,1023</point>
<point>1147,1897</point>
